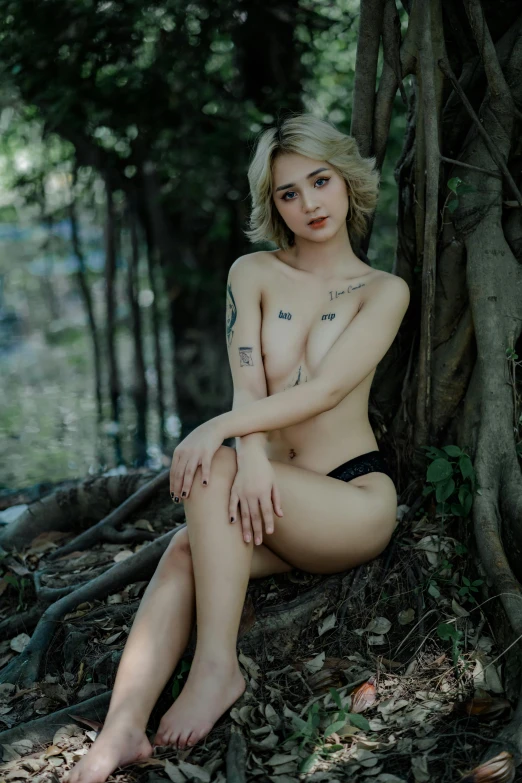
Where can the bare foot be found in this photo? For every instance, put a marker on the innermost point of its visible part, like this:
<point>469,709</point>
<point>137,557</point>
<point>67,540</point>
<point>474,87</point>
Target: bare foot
<point>116,745</point>
<point>210,690</point>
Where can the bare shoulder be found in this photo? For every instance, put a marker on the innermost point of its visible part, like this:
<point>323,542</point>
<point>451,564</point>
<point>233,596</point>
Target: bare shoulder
<point>388,287</point>
<point>247,267</point>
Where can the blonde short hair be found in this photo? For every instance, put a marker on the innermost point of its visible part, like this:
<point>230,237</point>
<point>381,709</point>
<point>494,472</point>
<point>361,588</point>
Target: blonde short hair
<point>317,139</point>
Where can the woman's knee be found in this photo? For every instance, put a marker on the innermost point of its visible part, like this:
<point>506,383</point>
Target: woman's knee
<point>222,469</point>
<point>178,553</point>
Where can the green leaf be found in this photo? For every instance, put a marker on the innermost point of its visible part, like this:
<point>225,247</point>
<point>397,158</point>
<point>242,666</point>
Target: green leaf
<point>452,451</point>
<point>453,183</point>
<point>359,720</point>
<point>334,693</point>
<point>452,205</point>
<point>335,726</point>
<point>439,470</point>
<point>299,723</point>
<point>466,466</point>
<point>443,491</point>
<point>308,763</point>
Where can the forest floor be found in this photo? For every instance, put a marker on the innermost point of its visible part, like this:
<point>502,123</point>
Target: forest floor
<point>393,677</point>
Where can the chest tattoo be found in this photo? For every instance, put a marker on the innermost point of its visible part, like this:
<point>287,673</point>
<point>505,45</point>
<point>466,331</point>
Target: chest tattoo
<point>335,294</point>
<point>245,356</point>
<point>287,316</point>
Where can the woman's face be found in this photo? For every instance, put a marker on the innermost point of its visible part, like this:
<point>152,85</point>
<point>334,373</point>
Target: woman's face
<point>304,189</point>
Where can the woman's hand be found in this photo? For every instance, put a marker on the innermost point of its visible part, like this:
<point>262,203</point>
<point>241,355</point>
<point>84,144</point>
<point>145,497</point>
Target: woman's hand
<point>198,448</point>
<point>255,487</point>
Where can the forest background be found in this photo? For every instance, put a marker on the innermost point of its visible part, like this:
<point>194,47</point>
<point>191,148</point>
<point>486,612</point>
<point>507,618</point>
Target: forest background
<point>151,122</point>
<point>125,135</point>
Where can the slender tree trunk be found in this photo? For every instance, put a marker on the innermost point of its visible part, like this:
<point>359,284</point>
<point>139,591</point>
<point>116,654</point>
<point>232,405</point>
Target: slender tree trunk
<point>154,271</point>
<point>139,382</point>
<point>85,291</point>
<point>110,281</point>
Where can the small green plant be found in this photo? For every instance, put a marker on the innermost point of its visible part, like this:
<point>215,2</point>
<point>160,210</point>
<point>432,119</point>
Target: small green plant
<point>451,476</point>
<point>447,631</point>
<point>180,673</point>
<point>470,587</point>
<point>20,585</point>
<point>309,732</point>
<point>458,187</point>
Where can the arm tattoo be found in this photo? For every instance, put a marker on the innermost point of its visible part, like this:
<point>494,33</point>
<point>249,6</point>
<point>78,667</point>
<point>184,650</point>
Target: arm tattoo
<point>245,356</point>
<point>231,314</point>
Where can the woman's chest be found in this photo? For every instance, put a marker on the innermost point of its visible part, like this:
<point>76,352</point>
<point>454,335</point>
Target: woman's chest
<point>299,328</point>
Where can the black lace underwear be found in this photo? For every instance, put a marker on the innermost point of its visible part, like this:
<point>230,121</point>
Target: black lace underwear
<point>371,462</point>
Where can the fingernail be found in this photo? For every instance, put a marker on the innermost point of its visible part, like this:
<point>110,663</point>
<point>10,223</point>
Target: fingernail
<point>258,541</point>
<point>176,499</point>
<point>247,539</point>
<point>204,482</point>
<point>232,519</point>
<point>183,494</point>
<point>172,495</point>
<point>269,530</point>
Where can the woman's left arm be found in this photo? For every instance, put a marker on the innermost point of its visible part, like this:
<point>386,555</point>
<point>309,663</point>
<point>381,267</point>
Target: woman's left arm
<point>355,353</point>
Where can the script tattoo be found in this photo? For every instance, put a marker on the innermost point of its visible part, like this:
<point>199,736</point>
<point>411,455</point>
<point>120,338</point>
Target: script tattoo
<point>328,317</point>
<point>335,294</point>
<point>231,314</point>
<point>298,381</point>
<point>288,316</point>
<point>245,356</point>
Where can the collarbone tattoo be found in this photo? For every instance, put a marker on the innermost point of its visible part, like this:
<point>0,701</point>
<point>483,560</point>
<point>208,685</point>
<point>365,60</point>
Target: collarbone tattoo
<point>335,294</point>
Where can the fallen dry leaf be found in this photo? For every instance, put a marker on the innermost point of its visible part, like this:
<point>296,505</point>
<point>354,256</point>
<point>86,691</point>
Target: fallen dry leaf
<point>499,769</point>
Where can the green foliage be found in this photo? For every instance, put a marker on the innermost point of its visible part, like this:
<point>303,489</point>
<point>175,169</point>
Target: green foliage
<point>458,187</point>
<point>451,476</point>
<point>448,632</point>
<point>310,733</point>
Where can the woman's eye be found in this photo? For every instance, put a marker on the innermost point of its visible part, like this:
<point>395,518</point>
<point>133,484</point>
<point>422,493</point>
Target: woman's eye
<point>321,179</point>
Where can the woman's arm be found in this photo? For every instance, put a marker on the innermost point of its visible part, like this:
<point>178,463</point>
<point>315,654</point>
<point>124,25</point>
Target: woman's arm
<point>243,334</point>
<point>355,353</point>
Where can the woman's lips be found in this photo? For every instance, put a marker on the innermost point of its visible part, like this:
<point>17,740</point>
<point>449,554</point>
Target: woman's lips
<point>318,223</point>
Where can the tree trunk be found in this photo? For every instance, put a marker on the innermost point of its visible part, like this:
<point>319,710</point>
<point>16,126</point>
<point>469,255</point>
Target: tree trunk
<point>85,291</point>
<point>139,384</point>
<point>110,283</point>
<point>154,272</point>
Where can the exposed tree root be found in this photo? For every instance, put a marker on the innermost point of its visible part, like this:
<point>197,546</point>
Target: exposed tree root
<point>105,529</point>
<point>72,508</point>
<point>292,617</point>
<point>25,669</point>
<point>236,756</point>
<point>42,730</point>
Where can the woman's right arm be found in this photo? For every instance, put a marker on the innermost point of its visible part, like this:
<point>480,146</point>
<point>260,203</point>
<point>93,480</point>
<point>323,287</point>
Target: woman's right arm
<point>244,343</point>
<point>243,333</point>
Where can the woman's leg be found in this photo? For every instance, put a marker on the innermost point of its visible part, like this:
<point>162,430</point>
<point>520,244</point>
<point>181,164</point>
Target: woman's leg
<point>222,562</point>
<point>328,527</point>
<point>158,638</point>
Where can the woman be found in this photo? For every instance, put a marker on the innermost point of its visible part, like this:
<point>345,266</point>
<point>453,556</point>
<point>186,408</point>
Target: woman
<point>307,325</point>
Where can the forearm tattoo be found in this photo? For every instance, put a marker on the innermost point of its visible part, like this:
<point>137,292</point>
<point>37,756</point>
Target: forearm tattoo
<point>245,356</point>
<point>231,314</point>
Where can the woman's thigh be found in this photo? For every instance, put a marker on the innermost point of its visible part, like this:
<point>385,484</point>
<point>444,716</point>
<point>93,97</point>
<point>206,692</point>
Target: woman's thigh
<point>330,525</point>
